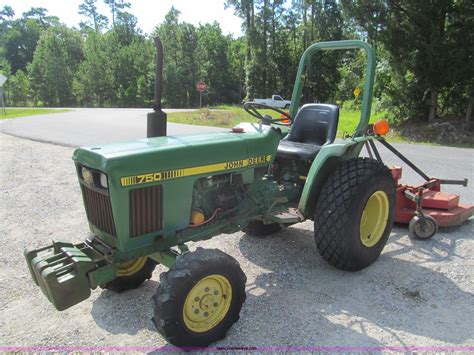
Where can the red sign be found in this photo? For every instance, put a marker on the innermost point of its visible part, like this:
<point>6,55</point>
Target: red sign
<point>201,86</point>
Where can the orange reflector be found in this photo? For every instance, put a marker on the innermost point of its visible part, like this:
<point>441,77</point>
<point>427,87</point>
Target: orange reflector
<point>381,127</point>
<point>284,116</point>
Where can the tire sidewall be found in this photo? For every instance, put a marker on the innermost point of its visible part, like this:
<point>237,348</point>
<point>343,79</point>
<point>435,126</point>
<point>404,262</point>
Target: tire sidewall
<point>362,253</point>
<point>226,322</point>
<point>179,281</point>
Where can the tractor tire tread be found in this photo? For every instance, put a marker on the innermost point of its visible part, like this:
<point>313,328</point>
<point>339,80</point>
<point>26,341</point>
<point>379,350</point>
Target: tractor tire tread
<point>181,278</point>
<point>332,211</point>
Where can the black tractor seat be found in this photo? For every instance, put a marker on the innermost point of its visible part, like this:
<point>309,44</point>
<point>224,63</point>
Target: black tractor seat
<point>315,125</point>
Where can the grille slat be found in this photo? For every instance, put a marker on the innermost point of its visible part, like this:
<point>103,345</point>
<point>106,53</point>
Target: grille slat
<point>145,210</point>
<point>99,210</point>
<point>133,209</point>
<point>143,226</point>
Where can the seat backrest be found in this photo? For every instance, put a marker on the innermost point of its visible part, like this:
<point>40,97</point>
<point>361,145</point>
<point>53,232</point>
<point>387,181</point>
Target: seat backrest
<point>315,124</point>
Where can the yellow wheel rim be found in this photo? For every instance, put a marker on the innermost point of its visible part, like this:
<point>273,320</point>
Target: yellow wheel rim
<point>207,303</point>
<point>374,218</point>
<point>131,267</point>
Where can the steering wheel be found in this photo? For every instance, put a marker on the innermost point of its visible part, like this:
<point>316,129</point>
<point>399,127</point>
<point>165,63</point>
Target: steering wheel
<point>252,108</point>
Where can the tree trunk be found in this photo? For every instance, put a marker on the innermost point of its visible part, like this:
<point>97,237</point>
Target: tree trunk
<point>469,125</point>
<point>249,12</point>
<point>264,54</point>
<point>242,75</point>
<point>274,72</point>
<point>295,42</point>
<point>433,105</point>
<point>305,28</point>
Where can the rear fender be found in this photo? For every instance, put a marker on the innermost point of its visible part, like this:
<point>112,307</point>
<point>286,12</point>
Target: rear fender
<point>326,161</point>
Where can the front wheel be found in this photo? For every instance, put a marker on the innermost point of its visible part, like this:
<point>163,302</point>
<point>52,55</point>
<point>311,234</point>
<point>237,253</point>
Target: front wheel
<point>131,274</point>
<point>354,214</point>
<point>199,298</point>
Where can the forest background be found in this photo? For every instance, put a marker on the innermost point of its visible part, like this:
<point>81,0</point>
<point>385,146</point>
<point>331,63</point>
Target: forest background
<point>424,54</point>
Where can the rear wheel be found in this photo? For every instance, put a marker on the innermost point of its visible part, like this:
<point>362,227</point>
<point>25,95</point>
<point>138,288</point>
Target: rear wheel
<point>131,274</point>
<point>259,229</point>
<point>354,214</point>
<point>199,298</point>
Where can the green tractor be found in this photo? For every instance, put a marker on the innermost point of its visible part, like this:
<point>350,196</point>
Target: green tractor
<point>147,198</point>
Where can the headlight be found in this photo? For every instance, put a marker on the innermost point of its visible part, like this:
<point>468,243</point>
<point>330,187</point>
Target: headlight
<point>86,176</point>
<point>103,181</point>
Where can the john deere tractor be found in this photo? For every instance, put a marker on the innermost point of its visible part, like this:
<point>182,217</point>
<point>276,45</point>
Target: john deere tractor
<point>145,199</point>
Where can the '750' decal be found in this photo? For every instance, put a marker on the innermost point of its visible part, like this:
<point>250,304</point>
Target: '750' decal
<point>204,169</point>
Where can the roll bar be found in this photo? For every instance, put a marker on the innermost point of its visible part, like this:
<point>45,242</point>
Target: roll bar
<point>369,77</point>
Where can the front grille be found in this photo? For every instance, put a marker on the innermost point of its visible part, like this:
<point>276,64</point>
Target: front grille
<point>99,210</point>
<point>146,213</point>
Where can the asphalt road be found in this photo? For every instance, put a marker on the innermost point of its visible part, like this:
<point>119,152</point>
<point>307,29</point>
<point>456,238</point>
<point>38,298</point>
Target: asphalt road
<point>86,127</point>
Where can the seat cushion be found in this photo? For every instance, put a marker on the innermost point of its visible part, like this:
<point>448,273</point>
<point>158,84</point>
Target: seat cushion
<point>315,124</point>
<point>297,151</point>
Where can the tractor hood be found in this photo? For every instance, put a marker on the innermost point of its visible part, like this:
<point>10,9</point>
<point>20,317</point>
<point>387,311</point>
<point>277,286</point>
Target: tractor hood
<point>150,155</point>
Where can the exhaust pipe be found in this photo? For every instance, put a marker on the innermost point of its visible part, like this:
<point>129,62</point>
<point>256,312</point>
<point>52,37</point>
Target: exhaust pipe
<point>157,120</point>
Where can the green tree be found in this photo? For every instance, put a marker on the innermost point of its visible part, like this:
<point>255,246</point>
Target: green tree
<point>181,70</point>
<point>55,61</point>
<point>245,9</point>
<point>94,81</point>
<point>115,70</point>
<point>328,26</point>
<point>214,64</point>
<point>116,8</point>
<point>126,28</point>
<point>18,89</point>
<point>457,98</point>
<point>40,14</point>
<point>20,37</point>
<point>95,20</point>
<point>235,82</point>
<point>130,65</point>
<point>420,43</point>
<point>7,13</point>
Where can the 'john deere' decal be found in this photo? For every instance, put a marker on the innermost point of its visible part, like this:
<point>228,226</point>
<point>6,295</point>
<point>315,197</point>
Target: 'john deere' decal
<point>204,169</point>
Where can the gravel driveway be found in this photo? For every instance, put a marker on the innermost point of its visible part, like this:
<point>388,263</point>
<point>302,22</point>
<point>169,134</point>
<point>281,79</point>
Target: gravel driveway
<point>419,293</point>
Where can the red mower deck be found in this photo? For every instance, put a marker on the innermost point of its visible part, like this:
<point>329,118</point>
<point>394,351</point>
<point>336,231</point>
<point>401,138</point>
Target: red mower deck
<point>423,207</point>
<point>442,206</point>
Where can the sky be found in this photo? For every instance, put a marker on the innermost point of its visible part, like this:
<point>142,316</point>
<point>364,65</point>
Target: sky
<point>148,12</point>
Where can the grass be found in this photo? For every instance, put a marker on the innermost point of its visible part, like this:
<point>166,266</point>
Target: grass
<point>230,116</point>
<point>19,112</point>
